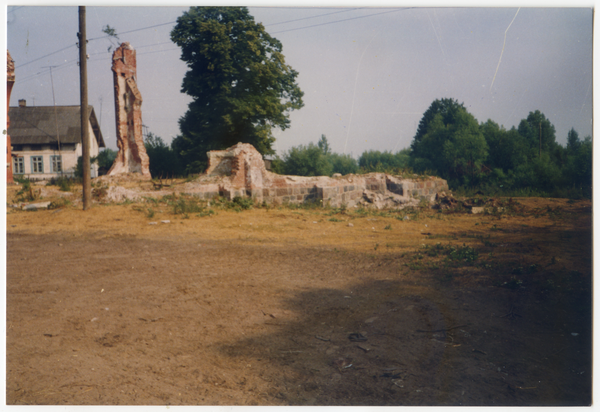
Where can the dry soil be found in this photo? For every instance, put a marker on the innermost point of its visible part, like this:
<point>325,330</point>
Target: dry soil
<point>292,306</point>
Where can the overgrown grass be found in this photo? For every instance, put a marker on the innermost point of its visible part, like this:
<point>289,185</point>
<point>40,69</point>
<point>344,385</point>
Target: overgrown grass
<point>64,183</point>
<point>59,203</point>
<point>26,193</point>
<point>185,206</point>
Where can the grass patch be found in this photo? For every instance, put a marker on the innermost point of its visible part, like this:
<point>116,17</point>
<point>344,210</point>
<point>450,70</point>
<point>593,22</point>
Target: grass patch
<point>58,204</point>
<point>185,206</point>
<point>26,193</point>
<point>65,184</point>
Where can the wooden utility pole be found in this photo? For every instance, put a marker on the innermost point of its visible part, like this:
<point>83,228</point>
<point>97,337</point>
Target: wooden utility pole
<point>85,133</point>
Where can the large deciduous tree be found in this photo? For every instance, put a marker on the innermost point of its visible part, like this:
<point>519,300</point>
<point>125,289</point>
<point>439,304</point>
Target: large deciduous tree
<point>446,108</point>
<point>539,133</point>
<point>449,141</point>
<point>238,79</point>
<point>507,149</point>
<point>307,161</point>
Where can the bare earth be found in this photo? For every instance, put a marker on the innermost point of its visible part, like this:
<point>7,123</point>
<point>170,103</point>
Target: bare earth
<point>288,306</point>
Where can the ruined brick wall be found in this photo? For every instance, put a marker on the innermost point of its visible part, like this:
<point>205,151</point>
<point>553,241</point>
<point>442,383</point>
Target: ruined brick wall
<point>132,156</point>
<point>240,171</point>
<point>10,81</point>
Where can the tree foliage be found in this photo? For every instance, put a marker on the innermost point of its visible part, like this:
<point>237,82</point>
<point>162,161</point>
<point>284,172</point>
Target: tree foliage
<point>307,161</point>
<point>343,164</point>
<point>538,131</point>
<point>164,161</point>
<point>315,160</point>
<point>238,79</point>
<point>324,145</point>
<point>525,159</point>
<point>112,36</point>
<point>376,161</point>
<point>506,149</point>
<point>449,142</point>
<point>446,108</point>
<point>105,160</point>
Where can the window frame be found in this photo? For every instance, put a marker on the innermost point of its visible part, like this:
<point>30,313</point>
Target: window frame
<point>53,159</point>
<point>19,163</point>
<point>34,161</point>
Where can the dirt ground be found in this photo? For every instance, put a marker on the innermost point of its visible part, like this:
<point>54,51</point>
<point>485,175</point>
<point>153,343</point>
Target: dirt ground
<point>293,306</point>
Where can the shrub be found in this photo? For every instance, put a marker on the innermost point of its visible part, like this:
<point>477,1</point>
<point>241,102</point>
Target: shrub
<point>243,202</point>
<point>64,183</point>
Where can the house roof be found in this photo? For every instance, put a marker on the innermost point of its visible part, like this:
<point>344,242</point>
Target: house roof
<point>38,125</point>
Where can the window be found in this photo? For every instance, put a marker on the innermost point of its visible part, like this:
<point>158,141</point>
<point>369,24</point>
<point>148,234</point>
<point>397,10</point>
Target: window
<point>19,166</point>
<point>37,164</point>
<point>56,164</point>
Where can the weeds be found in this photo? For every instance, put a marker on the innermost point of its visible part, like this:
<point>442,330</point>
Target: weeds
<point>58,204</point>
<point>243,203</point>
<point>150,200</point>
<point>464,254</point>
<point>26,194</point>
<point>98,193</point>
<point>184,207</point>
<point>64,183</point>
<point>207,212</point>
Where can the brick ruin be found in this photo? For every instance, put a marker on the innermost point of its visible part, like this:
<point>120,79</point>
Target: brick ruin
<point>10,81</point>
<point>239,171</point>
<point>132,156</point>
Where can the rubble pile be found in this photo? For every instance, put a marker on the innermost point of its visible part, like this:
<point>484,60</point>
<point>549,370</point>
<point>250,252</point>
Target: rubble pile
<point>239,171</point>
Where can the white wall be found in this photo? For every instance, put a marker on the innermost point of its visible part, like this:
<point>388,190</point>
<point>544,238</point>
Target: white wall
<point>68,155</point>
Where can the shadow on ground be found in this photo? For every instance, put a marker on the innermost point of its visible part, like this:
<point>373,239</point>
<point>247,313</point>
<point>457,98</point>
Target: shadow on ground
<point>393,342</point>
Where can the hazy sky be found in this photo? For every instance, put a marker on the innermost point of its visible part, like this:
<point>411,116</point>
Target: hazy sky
<point>368,74</point>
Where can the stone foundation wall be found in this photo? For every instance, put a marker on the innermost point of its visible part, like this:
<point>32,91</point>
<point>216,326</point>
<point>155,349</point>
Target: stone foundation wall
<point>239,171</point>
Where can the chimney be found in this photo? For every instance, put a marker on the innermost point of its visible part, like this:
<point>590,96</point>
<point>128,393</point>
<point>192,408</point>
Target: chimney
<point>22,102</point>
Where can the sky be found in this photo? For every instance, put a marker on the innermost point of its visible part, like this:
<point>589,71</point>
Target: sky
<point>368,73</point>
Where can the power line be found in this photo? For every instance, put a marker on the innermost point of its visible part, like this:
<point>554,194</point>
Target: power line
<point>273,24</point>
<point>339,21</point>
<point>132,31</point>
<point>39,58</point>
<point>96,38</point>
<point>74,61</point>
<point>313,17</point>
<point>163,24</point>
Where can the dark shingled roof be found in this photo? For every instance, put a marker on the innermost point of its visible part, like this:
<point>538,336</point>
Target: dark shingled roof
<point>37,125</point>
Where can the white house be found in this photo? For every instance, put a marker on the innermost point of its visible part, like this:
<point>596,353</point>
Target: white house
<point>46,140</point>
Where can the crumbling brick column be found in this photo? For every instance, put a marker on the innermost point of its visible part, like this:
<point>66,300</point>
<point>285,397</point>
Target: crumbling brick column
<point>10,81</point>
<point>132,156</point>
